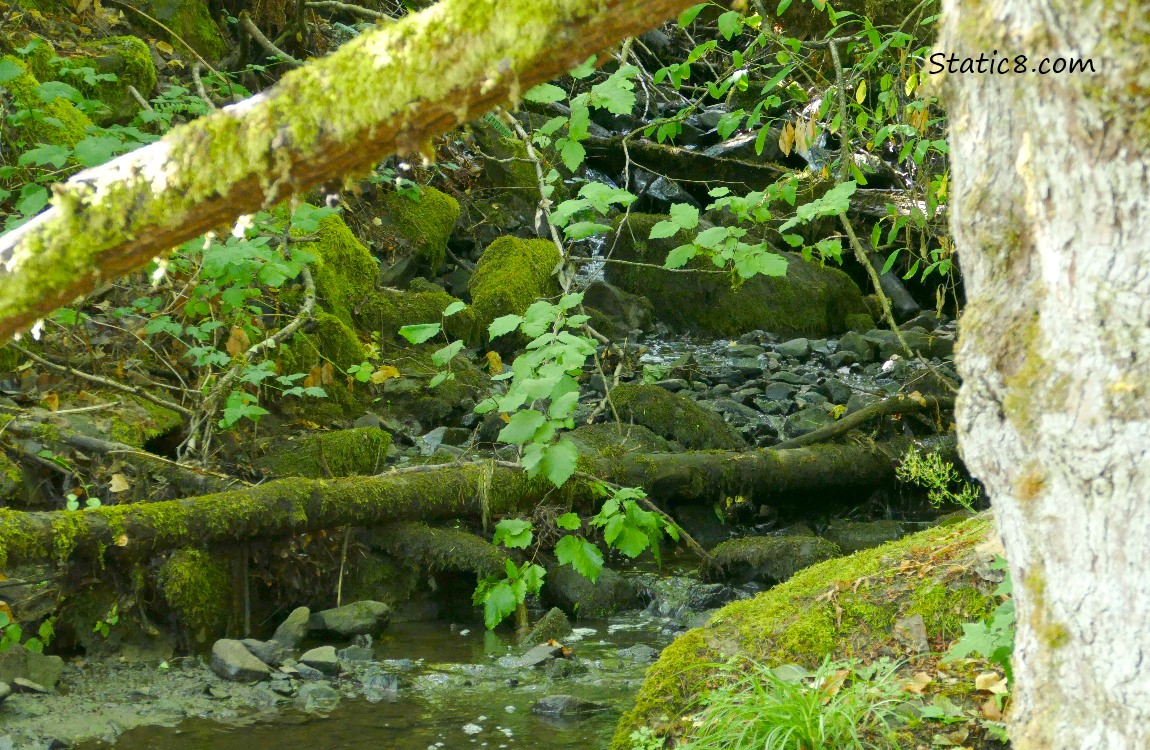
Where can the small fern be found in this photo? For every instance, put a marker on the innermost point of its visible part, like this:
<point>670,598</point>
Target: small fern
<point>499,125</point>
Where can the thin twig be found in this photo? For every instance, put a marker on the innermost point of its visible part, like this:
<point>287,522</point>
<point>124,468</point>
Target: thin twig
<point>139,98</point>
<point>200,86</point>
<point>349,8</point>
<point>250,27</point>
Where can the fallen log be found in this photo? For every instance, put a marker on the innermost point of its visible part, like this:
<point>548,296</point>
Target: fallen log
<point>435,493</point>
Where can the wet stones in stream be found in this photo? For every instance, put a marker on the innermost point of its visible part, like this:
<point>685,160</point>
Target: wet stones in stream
<point>232,661</point>
<point>360,618</point>
<point>566,705</point>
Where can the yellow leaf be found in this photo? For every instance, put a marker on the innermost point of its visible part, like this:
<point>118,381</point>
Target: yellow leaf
<point>122,540</point>
<point>838,411</point>
<point>911,83</point>
<point>52,401</point>
<point>991,710</point>
<point>386,372</point>
<point>917,398</point>
<point>505,418</point>
<point>494,363</point>
<point>5,610</point>
<point>119,483</point>
<point>327,374</point>
<point>81,5</point>
<point>313,377</point>
<point>238,342</point>
<point>787,139</point>
<point>917,684</point>
<point>860,92</point>
<point>165,48</point>
<point>991,682</point>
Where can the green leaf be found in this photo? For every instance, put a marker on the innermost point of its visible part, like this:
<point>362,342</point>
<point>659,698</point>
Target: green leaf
<point>545,93</point>
<point>95,150</point>
<point>631,541</point>
<point>783,5</point>
<point>503,325</point>
<point>419,332</point>
<point>454,307</point>
<point>572,154</point>
<point>835,201</point>
<point>664,229</point>
<point>569,521</point>
<point>678,257</point>
<point>9,71</point>
<point>499,602</point>
<point>710,238</point>
<point>569,301</point>
<point>586,69</point>
<point>33,197</point>
<point>581,555</point>
<point>559,461</point>
<point>522,427</point>
<point>513,533</point>
<point>581,230</point>
<point>49,91</point>
<point>687,17</point>
<point>44,154</point>
<point>685,215</point>
<point>440,357</point>
<point>564,406</point>
<point>730,23</point>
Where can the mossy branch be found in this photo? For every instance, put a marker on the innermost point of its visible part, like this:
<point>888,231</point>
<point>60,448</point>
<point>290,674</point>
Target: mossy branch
<point>390,90</point>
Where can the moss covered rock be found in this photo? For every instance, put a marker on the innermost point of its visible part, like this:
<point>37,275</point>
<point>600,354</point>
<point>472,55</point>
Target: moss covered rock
<point>11,479</point>
<point>580,598</point>
<point>511,274</point>
<point>413,234</point>
<point>613,439</point>
<point>842,608</point>
<point>852,536</point>
<point>59,123</point>
<point>343,453</point>
<point>197,586</point>
<point>344,270</point>
<point>187,21</point>
<point>388,310</point>
<point>811,300</point>
<point>427,548</point>
<point>675,417</point>
<point>771,559</point>
<point>331,341</point>
<point>130,61</point>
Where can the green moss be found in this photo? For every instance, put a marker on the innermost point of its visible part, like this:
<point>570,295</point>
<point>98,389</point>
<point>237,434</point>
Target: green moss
<point>425,548</point>
<point>197,586</point>
<point>332,341</point>
<point>59,122</point>
<point>860,322</point>
<point>137,421</point>
<point>811,300</point>
<point>189,22</point>
<point>344,270</point>
<point>11,478</point>
<point>844,608</point>
<point>371,577</point>
<point>342,453</point>
<point>674,417</point>
<point>388,310</point>
<point>418,228</point>
<point>511,274</point>
<point>129,59</point>
<point>610,439</point>
<point>10,359</point>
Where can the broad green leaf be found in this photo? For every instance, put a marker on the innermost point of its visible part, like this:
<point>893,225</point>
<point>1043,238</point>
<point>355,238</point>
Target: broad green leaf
<point>564,406</point>
<point>685,215</point>
<point>835,201</point>
<point>45,154</point>
<point>440,357</point>
<point>522,427</point>
<point>503,325</point>
<point>572,154</point>
<point>569,521</point>
<point>9,71</point>
<point>419,332</point>
<point>631,541</point>
<point>678,257</point>
<point>581,555</point>
<point>664,229</point>
<point>545,93</point>
<point>783,5</point>
<point>730,23</point>
<point>616,94</point>
<point>33,197</point>
<point>95,150</point>
<point>559,460</point>
<point>585,69</point>
<point>710,238</point>
<point>687,17</point>
<point>498,603</point>
<point>581,230</point>
<point>454,307</point>
<point>569,301</point>
<point>49,91</point>
<point>513,533</point>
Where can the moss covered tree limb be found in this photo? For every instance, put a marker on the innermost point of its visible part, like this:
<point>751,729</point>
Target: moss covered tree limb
<point>477,490</point>
<point>390,90</point>
<point>899,404</point>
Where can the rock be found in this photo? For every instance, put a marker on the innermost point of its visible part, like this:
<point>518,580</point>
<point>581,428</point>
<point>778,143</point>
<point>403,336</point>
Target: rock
<point>779,391</point>
<point>911,632</point>
<point>771,559</point>
<point>5,691</point>
<point>292,630</point>
<point>580,598</point>
<point>640,652</point>
<point>322,658</point>
<point>742,147</point>
<point>271,653</point>
<point>837,391</point>
<point>538,656</point>
<point>928,320</point>
<point>886,344</point>
<point>852,536</point>
<point>309,673</point>
<point>810,300</point>
<point>560,669</point>
<point>807,420</point>
<point>675,597</point>
<point>675,417</point>
<point>859,401</point>
<point>552,626</point>
<point>857,344</point>
<point>316,697</point>
<point>232,661</point>
<point>795,348</point>
<point>674,385</point>
<point>360,618</point>
<point>731,407</point>
<point>566,705</point>
<point>625,311</point>
<point>793,378</point>
<point>340,453</point>
<point>19,662</point>
<point>746,350</point>
<point>658,193</point>
<point>702,524</point>
<point>511,274</point>
<point>21,685</point>
<point>842,359</point>
<point>355,653</point>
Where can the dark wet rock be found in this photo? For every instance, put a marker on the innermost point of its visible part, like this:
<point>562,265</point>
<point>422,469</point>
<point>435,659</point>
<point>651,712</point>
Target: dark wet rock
<point>744,395</point>
<point>657,193</point>
<point>352,619</point>
<point>771,559</point>
<point>640,652</point>
<point>928,320</point>
<point>810,398</point>
<point>581,598</point>
<point>559,669</point>
<point>21,685</point>
<point>674,417</point>
<point>322,658</point>
<point>271,653</point>
<point>886,343</point>
<point>807,420</point>
<point>793,378</point>
<point>539,655</point>
<point>355,653</point>
<point>722,389</point>
<point>292,630</point>
<point>836,390</point>
<point>746,350</point>
<point>552,626</point>
<point>18,662</point>
<point>5,691</point>
<point>856,343</point>
<point>742,147</point>
<point>378,685</point>
<point>675,597</point>
<point>852,536</point>
<point>625,311</point>
<point>732,408</point>
<point>305,672</point>
<point>859,401</point>
<point>282,686</point>
<point>316,697</point>
<point>674,385</point>
<point>566,705</point>
<point>842,359</point>
<point>795,348</point>
<point>233,661</point>
<point>779,391</point>
<point>702,524</point>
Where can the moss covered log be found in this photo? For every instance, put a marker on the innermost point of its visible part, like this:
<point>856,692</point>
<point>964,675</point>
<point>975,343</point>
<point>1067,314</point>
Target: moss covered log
<point>389,90</point>
<point>289,506</point>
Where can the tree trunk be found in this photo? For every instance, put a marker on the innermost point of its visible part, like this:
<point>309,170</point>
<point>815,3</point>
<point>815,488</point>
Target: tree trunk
<point>390,90</point>
<point>1050,215</point>
<point>434,493</point>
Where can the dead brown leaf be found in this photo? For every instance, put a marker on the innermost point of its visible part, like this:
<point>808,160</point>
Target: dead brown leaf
<point>238,342</point>
<point>384,373</point>
<point>119,483</point>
